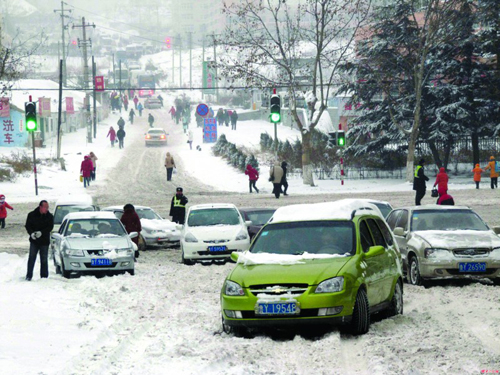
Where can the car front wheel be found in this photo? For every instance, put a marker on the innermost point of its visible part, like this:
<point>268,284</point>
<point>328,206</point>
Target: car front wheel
<point>187,262</point>
<point>360,323</point>
<point>66,274</point>
<point>414,272</point>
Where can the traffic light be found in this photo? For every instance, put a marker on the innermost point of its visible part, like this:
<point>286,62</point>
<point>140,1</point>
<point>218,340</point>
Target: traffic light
<point>275,109</point>
<point>168,42</point>
<point>30,113</point>
<point>340,138</point>
<point>332,139</point>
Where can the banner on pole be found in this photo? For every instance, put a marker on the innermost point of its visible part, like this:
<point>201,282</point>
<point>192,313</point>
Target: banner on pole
<point>4,107</point>
<point>99,83</point>
<point>70,108</point>
<point>208,76</point>
<point>44,107</point>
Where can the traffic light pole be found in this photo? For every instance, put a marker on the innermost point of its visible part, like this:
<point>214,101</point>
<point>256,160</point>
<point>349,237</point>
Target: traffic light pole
<point>34,155</point>
<point>94,119</point>
<point>59,111</point>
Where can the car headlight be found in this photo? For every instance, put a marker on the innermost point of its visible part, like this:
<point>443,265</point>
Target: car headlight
<point>495,253</point>
<point>74,252</point>
<point>190,238</point>
<point>436,253</point>
<point>335,284</point>
<point>243,235</point>
<point>233,289</point>
<point>124,251</point>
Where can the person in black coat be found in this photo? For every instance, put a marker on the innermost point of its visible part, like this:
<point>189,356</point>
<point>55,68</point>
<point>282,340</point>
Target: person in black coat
<point>120,134</point>
<point>419,182</point>
<point>284,182</point>
<point>178,207</point>
<point>39,225</point>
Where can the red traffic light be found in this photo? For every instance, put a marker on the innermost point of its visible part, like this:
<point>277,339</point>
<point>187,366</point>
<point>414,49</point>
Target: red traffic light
<point>73,42</point>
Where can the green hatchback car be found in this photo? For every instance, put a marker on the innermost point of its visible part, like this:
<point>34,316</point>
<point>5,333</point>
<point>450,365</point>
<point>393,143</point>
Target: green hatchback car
<point>332,263</point>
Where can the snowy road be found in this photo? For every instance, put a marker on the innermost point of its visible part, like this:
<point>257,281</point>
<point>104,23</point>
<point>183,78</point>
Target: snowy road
<point>166,320</point>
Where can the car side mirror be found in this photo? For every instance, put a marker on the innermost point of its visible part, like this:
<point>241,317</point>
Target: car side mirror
<point>496,230</point>
<point>133,234</point>
<point>374,251</point>
<point>57,236</point>
<point>248,222</point>
<point>398,231</point>
<point>235,256</point>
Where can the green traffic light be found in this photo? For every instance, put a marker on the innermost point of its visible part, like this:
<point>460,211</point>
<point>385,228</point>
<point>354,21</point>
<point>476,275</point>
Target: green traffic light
<point>31,125</point>
<point>341,141</point>
<point>275,117</point>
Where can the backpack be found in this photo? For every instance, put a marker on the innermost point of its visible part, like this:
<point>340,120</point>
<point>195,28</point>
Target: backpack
<point>497,167</point>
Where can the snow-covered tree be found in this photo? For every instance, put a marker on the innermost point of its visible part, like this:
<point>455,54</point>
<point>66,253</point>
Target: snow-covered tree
<point>270,43</point>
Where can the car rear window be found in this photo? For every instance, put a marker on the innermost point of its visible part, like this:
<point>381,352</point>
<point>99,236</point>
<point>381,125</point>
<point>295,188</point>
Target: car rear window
<point>156,131</point>
<point>313,237</point>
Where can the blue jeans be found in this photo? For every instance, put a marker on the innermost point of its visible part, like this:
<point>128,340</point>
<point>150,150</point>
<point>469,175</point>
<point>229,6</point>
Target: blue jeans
<point>86,181</point>
<point>44,264</point>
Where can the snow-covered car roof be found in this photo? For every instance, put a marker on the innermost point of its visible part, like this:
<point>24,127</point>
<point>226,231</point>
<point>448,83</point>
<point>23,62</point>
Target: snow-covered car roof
<point>344,209</point>
<point>435,207</point>
<point>212,205</point>
<point>75,200</point>
<point>90,215</point>
<point>373,201</point>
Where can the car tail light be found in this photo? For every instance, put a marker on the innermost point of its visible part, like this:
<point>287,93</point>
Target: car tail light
<point>162,136</point>
<point>151,92</point>
<point>148,136</point>
<point>141,92</point>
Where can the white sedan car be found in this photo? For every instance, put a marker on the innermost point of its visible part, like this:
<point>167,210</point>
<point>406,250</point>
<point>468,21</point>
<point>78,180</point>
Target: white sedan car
<point>156,231</point>
<point>92,242</point>
<point>213,232</point>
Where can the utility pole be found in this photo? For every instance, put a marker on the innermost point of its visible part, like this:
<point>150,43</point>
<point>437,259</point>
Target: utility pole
<point>63,27</point>
<point>190,59</point>
<point>59,111</point>
<point>203,64</point>
<point>84,43</point>
<point>114,73</point>
<point>180,60</point>
<point>94,94</point>
<point>173,65</point>
<point>215,68</point>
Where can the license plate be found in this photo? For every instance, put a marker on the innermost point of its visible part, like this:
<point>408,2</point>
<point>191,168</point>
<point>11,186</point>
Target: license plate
<point>472,267</point>
<point>278,308</point>
<point>101,262</point>
<point>217,248</point>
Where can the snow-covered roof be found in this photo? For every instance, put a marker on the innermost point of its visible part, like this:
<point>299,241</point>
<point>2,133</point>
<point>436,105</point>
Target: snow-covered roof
<point>18,8</point>
<point>91,215</point>
<point>339,210</point>
<point>437,207</point>
<point>212,205</point>
<point>116,208</point>
<point>75,200</point>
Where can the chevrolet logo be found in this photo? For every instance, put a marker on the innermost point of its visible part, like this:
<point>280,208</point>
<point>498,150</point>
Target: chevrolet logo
<point>279,290</point>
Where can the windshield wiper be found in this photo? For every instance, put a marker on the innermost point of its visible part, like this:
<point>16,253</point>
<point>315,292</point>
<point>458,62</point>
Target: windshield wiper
<point>107,235</point>
<point>298,253</point>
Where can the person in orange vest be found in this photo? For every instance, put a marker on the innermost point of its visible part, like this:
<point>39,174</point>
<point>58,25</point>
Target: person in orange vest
<point>477,175</point>
<point>493,172</point>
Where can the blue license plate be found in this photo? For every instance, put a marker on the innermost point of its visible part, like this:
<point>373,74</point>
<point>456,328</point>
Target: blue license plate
<point>101,262</point>
<point>279,308</point>
<point>217,248</point>
<point>472,267</point>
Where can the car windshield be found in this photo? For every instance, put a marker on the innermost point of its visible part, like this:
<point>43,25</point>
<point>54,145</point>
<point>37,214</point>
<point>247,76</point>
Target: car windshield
<point>94,228</point>
<point>259,217</point>
<point>62,211</point>
<point>446,220</point>
<point>313,237</point>
<point>384,208</point>
<point>147,213</point>
<point>213,216</point>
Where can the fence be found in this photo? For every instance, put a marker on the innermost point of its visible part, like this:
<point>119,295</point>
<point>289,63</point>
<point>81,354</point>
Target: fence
<point>352,173</point>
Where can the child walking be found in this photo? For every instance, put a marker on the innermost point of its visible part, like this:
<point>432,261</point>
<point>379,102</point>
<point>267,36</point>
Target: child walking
<point>477,175</point>
<point>3,210</point>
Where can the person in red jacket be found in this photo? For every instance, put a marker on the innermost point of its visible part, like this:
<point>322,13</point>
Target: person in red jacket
<point>445,199</point>
<point>253,176</point>
<point>442,180</point>
<point>112,136</point>
<point>132,223</point>
<point>86,170</point>
<point>3,210</point>
<point>172,112</point>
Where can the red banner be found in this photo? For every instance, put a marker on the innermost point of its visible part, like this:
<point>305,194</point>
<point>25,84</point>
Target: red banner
<point>4,107</point>
<point>99,83</point>
<point>70,108</point>
<point>44,107</point>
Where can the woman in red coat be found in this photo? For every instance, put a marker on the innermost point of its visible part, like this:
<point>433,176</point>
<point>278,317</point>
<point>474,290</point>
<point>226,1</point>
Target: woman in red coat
<point>253,176</point>
<point>132,223</point>
<point>442,180</point>
<point>86,170</point>
<point>3,210</point>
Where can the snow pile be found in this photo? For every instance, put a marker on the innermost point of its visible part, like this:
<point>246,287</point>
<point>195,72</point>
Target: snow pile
<point>460,238</point>
<point>251,259</point>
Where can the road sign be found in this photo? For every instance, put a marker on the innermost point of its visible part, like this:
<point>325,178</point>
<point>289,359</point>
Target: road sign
<point>210,130</point>
<point>202,110</point>
<point>99,83</point>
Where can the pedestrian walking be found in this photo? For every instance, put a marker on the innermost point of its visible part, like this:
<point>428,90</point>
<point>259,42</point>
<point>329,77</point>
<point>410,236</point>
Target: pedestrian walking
<point>234,120</point>
<point>178,207</point>
<point>284,181</point>
<point>419,182</point>
<point>121,122</point>
<point>112,136</point>
<point>3,210</point>
<point>160,98</point>
<point>151,120</point>
<point>493,172</point>
<point>125,102</point>
<point>170,165</point>
<point>199,120</point>
<point>185,121</point>
<point>86,170</point>
<point>172,112</point>
<point>477,175</point>
<point>94,161</point>
<point>220,117</point>
<point>39,225</point>
<point>132,223</point>
<point>140,108</point>
<point>253,176</point>
<point>276,174</point>
<point>190,139</point>
<point>136,101</point>
<point>131,115</point>
<point>442,179</point>
<point>444,199</point>
<point>120,134</point>
<point>226,118</point>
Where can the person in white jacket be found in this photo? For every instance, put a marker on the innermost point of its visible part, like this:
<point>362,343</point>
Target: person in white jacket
<point>190,139</point>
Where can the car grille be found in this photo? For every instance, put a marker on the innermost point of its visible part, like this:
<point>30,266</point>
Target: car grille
<point>470,253</point>
<point>304,313</point>
<point>293,289</point>
<point>89,265</point>
<point>216,241</point>
<point>455,272</point>
<point>96,252</point>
